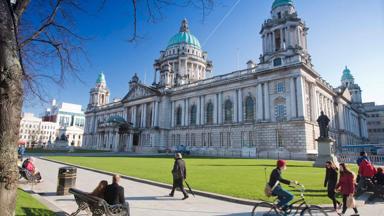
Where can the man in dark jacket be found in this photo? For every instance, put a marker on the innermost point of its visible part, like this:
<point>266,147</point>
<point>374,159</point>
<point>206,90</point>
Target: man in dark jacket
<point>179,173</point>
<point>114,193</point>
<point>274,181</point>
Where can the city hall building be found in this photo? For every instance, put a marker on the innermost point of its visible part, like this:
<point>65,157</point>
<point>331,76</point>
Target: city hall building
<point>270,106</point>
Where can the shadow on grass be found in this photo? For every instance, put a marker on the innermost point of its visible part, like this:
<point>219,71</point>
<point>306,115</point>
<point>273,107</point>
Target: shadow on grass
<point>36,211</point>
<point>248,165</point>
<point>312,191</point>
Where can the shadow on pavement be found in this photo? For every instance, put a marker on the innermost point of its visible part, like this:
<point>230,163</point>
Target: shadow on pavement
<point>238,214</point>
<point>151,198</point>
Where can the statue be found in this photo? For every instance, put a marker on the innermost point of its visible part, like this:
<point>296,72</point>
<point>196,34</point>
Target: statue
<point>323,122</point>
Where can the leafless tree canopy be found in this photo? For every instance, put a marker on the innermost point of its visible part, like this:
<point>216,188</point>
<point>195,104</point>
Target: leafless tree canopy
<point>51,49</point>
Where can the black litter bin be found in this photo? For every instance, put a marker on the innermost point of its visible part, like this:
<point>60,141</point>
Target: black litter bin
<point>66,179</point>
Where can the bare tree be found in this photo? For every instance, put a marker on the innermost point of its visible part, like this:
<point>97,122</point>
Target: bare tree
<point>30,45</point>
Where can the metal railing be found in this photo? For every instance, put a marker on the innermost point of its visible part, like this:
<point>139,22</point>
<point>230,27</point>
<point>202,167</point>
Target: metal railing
<point>351,158</point>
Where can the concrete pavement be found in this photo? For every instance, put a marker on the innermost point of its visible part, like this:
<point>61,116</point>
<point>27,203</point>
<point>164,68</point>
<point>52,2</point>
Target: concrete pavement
<point>147,200</point>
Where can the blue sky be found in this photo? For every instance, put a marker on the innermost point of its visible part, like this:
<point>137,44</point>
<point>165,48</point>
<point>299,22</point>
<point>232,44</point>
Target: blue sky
<point>342,32</point>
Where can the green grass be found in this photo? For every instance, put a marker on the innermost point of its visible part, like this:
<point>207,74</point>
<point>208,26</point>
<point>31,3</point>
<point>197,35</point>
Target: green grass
<point>27,205</point>
<point>242,178</point>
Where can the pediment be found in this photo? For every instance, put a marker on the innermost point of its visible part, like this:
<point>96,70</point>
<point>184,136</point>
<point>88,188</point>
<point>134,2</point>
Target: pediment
<point>347,94</point>
<point>140,91</point>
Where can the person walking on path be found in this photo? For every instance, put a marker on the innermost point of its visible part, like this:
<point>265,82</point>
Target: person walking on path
<point>114,193</point>
<point>284,196</point>
<point>179,174</point>
<point>330,182</point>
<point>21,151</point>
<point>346,186</point>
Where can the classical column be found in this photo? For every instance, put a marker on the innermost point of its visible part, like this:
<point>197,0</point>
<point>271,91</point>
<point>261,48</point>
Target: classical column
<point>173,114</point>
<point>240,105</point>
<point>216,116</point>
<point>300,97</point>
<point>156,121</point>
<point>153,114</point>
<point>259,102</point>
<point>186,112</point>
<point>198,111</point>
<point>235,117</point>
<point>202,109</point>
<point>144,119</point>
<point>133,117</point>
<point>292,97</point>
<point>220,108</point>
<point>266,102</point>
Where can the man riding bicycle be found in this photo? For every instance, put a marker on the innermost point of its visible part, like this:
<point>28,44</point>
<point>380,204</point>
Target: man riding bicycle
<point>274,182</point>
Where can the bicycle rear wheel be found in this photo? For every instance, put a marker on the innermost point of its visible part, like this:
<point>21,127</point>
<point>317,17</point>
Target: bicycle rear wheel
<point>264,209</point>
<point>313,211</point>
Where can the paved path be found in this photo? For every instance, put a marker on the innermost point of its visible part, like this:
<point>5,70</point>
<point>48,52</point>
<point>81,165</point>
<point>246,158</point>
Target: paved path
<point>147,200</point>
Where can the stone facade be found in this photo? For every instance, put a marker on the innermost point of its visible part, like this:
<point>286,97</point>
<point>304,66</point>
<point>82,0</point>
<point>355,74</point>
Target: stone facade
<point>375,115</point>
<point>266,108</point>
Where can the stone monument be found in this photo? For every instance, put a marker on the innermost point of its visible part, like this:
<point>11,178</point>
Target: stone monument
<point>325,143</point>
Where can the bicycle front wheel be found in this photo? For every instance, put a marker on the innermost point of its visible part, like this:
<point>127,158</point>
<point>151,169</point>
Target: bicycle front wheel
<point>313,211</point>
<point>264,209</point>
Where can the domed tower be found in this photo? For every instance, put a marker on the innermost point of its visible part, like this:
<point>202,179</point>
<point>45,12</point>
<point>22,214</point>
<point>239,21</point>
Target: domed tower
<point>284,36</point>
<point>183,61</point>
<point>99,95</point>
<point>347,81</point>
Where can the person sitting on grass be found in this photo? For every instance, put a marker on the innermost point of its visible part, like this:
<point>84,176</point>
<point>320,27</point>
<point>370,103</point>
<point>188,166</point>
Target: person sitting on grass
<point>29,165</point>
<point>99,191</point>
<point>284,196</point>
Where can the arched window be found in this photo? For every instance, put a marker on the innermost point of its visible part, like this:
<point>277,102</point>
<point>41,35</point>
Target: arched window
<point>209,119</point>
<point>249,109</point>
<point>179,113</point>
<point>193,115</point>
<point>228,111</point>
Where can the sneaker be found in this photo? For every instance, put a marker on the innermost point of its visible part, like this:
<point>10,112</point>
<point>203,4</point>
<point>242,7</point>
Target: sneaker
<point>171,194</point>
<point>186,197</point>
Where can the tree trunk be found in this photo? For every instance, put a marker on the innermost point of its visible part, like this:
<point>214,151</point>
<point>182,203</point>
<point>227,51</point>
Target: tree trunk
<point>11,98</point>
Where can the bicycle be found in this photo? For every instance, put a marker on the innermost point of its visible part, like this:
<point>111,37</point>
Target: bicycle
<point>271,209</point>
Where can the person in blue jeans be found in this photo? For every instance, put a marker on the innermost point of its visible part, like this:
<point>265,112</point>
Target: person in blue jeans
<point>275,179</point>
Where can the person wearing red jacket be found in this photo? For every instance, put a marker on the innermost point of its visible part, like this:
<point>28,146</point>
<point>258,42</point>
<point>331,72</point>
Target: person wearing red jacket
<point>346,186</point>
<point>29,165</point>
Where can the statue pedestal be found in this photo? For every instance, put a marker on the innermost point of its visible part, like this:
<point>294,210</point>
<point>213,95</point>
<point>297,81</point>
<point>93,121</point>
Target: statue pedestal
<point>325,152</point>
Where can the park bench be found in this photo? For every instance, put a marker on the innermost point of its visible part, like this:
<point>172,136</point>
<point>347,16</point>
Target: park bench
<point>96,206</point>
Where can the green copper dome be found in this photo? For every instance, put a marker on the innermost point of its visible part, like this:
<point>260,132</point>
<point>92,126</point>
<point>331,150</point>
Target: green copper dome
<point>278,3</point>
<point>100,78</point>
<point>347,74</point>
<point>184,36</point>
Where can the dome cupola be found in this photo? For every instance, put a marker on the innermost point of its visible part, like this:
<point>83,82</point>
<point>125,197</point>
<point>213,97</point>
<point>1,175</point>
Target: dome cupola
<point>184,36</point>
<point>278,3</point>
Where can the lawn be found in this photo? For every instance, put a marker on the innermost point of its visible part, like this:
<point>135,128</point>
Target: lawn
<point>244,178</point>
<point>27,205</point>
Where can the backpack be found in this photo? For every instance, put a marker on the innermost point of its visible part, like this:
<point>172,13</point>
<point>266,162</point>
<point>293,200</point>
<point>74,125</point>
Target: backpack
<point>367,169</point>
<point>268,189</point>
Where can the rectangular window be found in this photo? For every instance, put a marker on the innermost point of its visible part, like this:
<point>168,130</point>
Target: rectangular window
<point>242,139</point>
<point>193,141</point>
<point>187,139</point>
<point>221,139</point>
<point>209,139</point>
<point>250,139</point>
<point>280,87</point>
<point>229,139</point>
<point>203,139</point>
